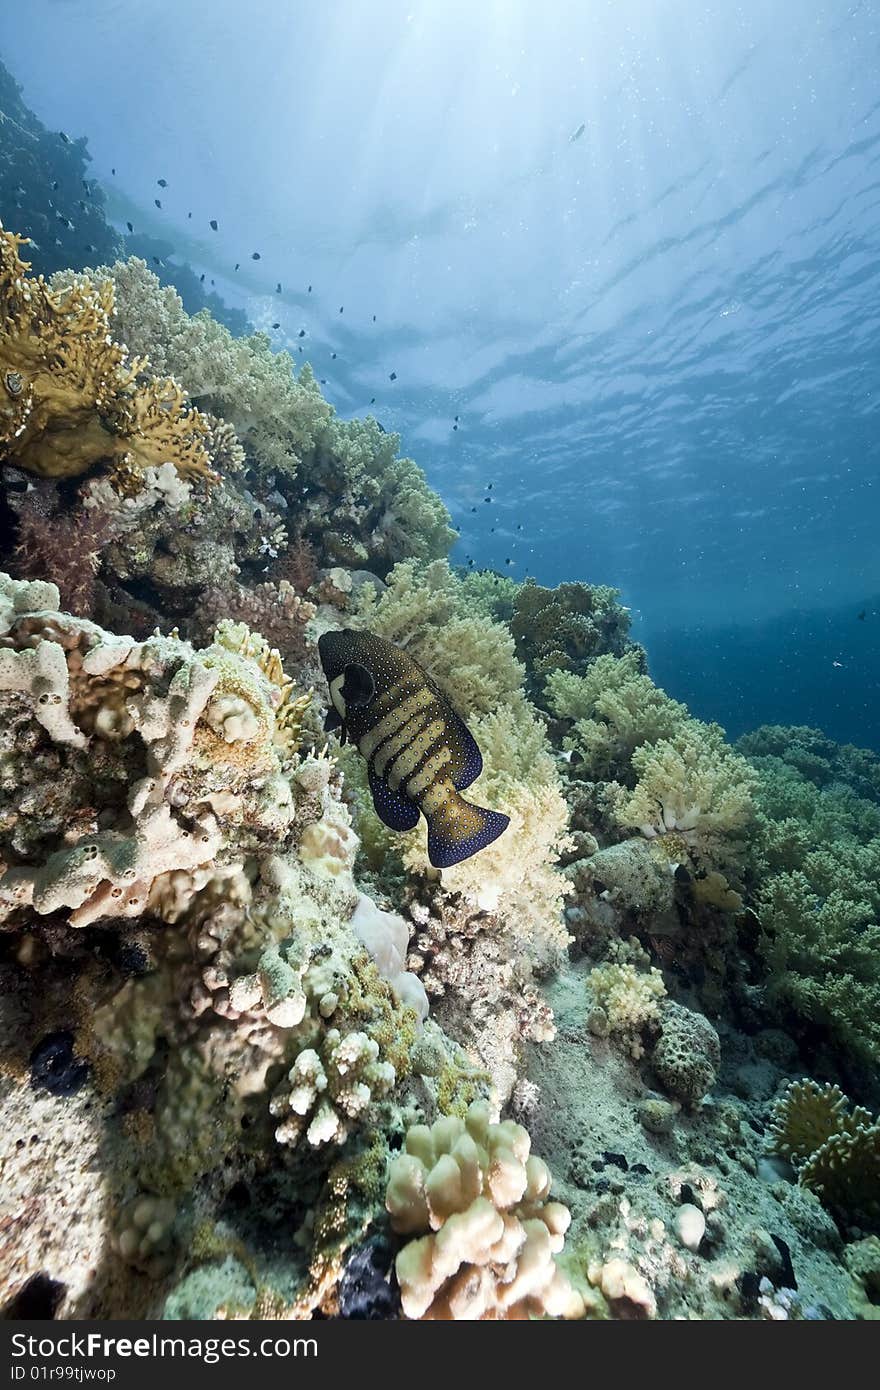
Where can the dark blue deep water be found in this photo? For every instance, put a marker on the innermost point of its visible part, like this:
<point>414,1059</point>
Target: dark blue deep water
<point>629,248</point>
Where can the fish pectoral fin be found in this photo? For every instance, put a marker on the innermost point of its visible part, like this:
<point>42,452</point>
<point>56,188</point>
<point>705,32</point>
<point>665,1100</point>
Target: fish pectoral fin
<point>394,809</point>
<point>358,686</point>
<point>333,720</point>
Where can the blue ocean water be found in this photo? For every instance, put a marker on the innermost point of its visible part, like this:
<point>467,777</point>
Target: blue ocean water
<point>618,260</point>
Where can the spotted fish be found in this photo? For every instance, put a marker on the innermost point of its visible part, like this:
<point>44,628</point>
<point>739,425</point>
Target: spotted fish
<point>419,754</point>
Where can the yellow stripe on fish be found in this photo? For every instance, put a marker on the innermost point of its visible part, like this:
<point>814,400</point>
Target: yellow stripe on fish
<point>392,721</point>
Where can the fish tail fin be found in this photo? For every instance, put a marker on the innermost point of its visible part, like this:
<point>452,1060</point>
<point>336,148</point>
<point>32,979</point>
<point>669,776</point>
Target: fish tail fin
<point>475,828</point>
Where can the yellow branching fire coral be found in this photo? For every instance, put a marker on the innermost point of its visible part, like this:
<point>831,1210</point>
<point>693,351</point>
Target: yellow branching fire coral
<point>835,1148</point>
<point>70,397</point>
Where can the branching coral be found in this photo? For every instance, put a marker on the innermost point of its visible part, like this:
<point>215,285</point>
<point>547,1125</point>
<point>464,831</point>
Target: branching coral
<point>821,941</point>
<point>626,999</point>
<point>835,1149</point>
<point>71,398</point>
<point>565,628</point>
<point>616,708</point>
<point>694,789</point>
<point>486,1235</point>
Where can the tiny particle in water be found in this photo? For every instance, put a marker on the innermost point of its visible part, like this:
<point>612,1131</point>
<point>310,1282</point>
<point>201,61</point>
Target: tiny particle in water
<point>473,509</point>
<point>213,224</point>
<point>189,214</point>
<point>393,376</point>
<point>163,183</point>
<point>255,255</point>
<point>455,417</point>
<point>300,347</point>
<point>519,526</point>
<point>487,499</point>
<point>113,171</point>
<point>342,308</point>
<point>374,318</point>
<point>323,381</point>
<point>237,264</point>
<point>129,226</point>
<point>492,529</point>
<point>55,186</point>
<point>508,562</point>
<point>278,288</point>
<point>488,487</point>
<point>212,282</point>
<point>333,354</point>
<point>85,185</point>
<point>276,325</point>
<point>158,202</point>
<point>302,333</point>
<point>64,137</point>
<point>202,278</point>
<point>372,400</point>
<point>455,427</point>
<point>310,289</point>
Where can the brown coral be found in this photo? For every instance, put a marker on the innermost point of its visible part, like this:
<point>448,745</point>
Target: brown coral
<point>70,397</point>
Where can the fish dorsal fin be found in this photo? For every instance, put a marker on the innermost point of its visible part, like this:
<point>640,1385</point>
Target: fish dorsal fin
<point>358,686</point>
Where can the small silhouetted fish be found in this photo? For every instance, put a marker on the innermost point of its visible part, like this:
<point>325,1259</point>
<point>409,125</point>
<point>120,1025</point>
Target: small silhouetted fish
<point>113,171</point>
<point>374,318</point>
<point>278,288</point>
<point>300,347</point>
<point>455,417</point>
<point>487,499</point>
<point>212,282</point>
<point>861,616</point>
<point>85,185</point>
<point>342,308</point>
<point>64,137</point>
<point>492,530</point>
<point>301,333</point>
<point>276,325</point>
<point>333,354</point>
<point>213,224</point>
<point>156,261</point>
<point>202,278</point>
<point>372,400</point>
<point>55,186</point>
<point>163,183</point>
<point>508,562</point>
<point>255,255</point>
<point>473,509</point>
<point>129,226</point>
<point>323,381</point>
<point>90,248</point>
<point>189,214</point>
<point>237,264</point>
<point>158,202</point>
<point>393,376</point>
<point>489,487</point>
<point>455,427</point>
<point>519,526</point>
<point>470,562</point>
<point>310,289</point>
<point>578,133</point>
<point>381,427</point>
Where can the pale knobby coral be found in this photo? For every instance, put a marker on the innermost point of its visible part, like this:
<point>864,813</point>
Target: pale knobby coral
<point>485,1234</point>
<point>626,998</point>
